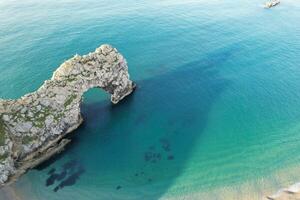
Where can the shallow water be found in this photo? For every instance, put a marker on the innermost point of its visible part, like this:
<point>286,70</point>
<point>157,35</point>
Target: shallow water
<point>216,113</point>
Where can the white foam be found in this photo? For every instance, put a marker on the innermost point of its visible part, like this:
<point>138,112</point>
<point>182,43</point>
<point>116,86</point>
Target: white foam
<point>276,195</point>
<point>293,188</point>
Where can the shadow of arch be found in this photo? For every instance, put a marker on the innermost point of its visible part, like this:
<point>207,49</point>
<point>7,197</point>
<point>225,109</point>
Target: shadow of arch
<point>150,135</point>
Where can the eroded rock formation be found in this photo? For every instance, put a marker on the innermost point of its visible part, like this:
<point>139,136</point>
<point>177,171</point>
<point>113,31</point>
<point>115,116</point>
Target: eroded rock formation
<point>32,127</point>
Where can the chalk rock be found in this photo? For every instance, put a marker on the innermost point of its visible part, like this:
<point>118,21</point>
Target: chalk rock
<point>37,120</point>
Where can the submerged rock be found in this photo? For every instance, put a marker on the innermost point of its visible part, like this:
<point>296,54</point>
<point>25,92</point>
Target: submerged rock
<point>118,187</point>
<point>32,127</point>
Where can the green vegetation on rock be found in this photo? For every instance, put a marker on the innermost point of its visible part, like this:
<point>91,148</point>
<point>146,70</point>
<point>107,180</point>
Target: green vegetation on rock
<point>41,115</point>
<point>2,132</point>
<point>28,139</point>
<point>70,100</point>
<point>70,78</point>
<point>58,116</point>
<point>3,157</point>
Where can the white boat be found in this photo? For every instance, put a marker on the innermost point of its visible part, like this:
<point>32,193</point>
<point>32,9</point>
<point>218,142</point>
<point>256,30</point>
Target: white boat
<point>272,3</point>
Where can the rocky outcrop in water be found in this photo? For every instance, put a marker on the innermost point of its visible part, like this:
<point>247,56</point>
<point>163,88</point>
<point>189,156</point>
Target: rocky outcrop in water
<point>32,127</point>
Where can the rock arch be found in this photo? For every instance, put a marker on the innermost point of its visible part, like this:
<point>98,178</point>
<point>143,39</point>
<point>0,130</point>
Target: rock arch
<point>32,127</point>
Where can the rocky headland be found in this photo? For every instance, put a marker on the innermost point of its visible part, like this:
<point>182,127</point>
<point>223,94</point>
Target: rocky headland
<point>32,128</point>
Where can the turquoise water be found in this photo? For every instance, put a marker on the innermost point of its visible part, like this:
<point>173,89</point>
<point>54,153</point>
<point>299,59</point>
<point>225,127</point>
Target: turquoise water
<point>217,104</point>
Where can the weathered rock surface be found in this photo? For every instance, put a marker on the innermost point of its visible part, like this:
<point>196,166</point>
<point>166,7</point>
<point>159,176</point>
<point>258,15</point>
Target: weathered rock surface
<point>35,124</point>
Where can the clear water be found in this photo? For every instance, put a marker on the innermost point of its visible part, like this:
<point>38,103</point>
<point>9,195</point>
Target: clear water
<point>216,113</point>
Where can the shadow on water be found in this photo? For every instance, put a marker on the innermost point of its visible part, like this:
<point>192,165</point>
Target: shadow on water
<point>66,176</point>
<point>159,125</point>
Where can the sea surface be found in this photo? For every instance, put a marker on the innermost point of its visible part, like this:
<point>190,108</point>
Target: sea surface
<point>216,114</point>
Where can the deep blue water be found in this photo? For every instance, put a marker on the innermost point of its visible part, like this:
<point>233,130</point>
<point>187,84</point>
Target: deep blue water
<point>216,112</point>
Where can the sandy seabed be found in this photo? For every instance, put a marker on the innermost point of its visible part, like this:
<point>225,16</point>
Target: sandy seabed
<point>274,187</point>
<point>9,193</point>
<point>258,189</point>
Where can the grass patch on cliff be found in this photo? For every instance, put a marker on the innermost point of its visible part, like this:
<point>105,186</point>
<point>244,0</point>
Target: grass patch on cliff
<point>70,78</point>
<point>3,157</point>
<point>2,138</point>
<point>70,100</point>
<point>28,139</point>
<point>41,116</point>
<point>2,132</point>
<point>58,116</point>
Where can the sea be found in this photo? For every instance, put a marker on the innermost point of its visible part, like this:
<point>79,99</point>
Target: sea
<point>216,112</point>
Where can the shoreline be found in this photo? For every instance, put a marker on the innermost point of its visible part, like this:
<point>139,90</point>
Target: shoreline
<point>8,193</point>
<point>274,186</point>
<point>266,190</point>
<point>289,193</point>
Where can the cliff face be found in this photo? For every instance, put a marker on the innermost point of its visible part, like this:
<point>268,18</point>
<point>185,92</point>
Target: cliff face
<point>33,125</point>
